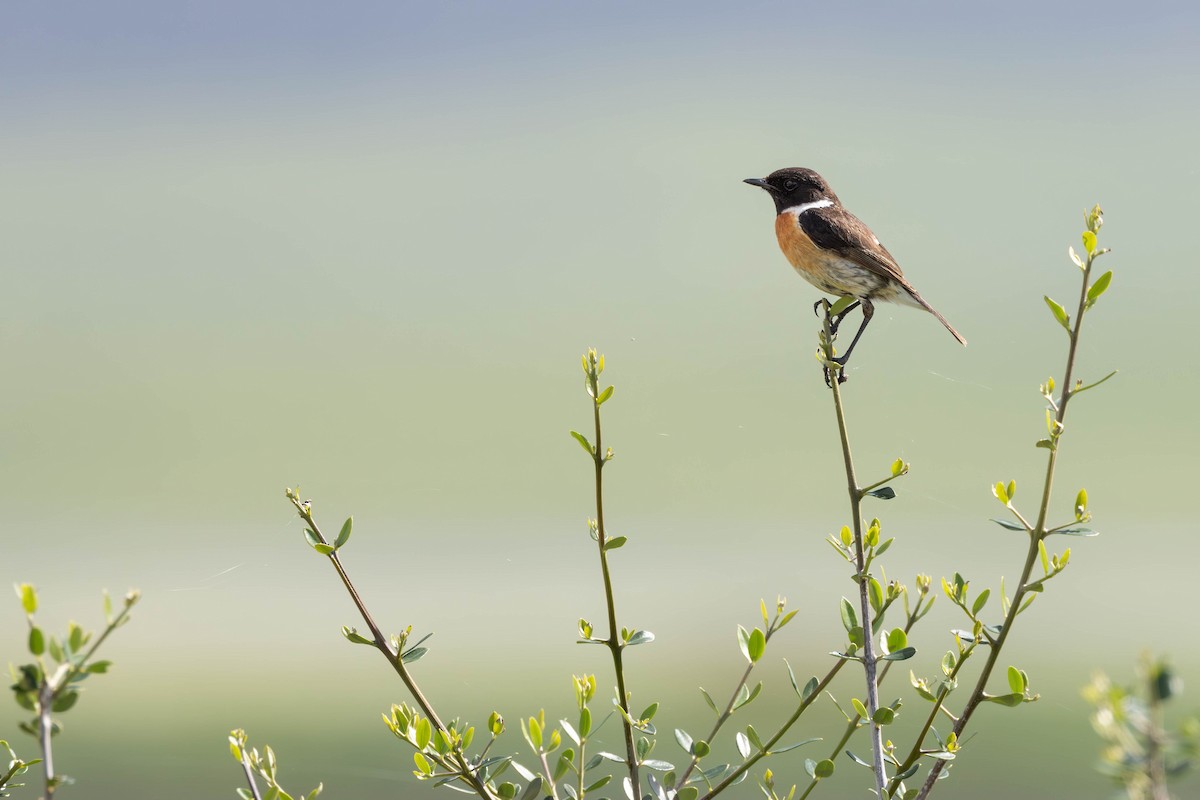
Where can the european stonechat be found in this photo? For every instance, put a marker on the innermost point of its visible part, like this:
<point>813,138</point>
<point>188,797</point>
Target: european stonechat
<point>834,250</point>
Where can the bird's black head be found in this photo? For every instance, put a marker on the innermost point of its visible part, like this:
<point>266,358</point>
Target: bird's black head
<point>794,186</point>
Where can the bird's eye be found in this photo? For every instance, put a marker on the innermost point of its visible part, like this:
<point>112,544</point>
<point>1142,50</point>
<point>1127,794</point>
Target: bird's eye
<point>790,184</point>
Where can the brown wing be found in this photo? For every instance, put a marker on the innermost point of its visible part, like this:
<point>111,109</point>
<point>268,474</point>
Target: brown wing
<point>836,229</point>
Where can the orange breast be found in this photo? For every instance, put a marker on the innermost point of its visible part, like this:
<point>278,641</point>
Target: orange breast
<point>806,257</point>
<point>828,271</point>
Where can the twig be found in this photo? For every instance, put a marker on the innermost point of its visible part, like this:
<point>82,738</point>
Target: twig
<point>856,496</point>
<point>1037,533</point>
<point>394,658</point>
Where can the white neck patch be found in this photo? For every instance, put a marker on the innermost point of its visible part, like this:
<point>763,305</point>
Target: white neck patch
<point>824,202</point>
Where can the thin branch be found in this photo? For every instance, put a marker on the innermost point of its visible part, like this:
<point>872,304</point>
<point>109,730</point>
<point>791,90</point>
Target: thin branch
<point>250,776</point>
<point>613,643</point>
<point>1036,535</point>
<point>783,729</point>
<point>394,658</point>
<point>856,496</point>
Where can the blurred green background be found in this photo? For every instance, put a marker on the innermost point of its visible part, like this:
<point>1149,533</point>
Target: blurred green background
<point>361,248</point>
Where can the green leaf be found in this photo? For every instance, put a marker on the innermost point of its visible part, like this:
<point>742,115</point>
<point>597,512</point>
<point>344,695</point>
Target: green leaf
<point>903,654</point>
<point>858,760</point>
<point>744,642</point>
<point>1089,242</point>
<point>584,443</point>
<point>649,711</point>
<point>884,716</point>
<point>1099,287</point>
<point>640,637</point>
<point>883,493</point>
<point>1010,700</point>
<point>413,654</point>
<point>874,594</point>
<point>708,699</point>
<point>856,636</point>
<point>1059,312</point>
<point>28,596</point>
<point>859,708</point>
<point>1076,532</point>
<point>311,536</point>
<point>344,535</point>
<point>64,702</point>
<point>424,733</point>
<point>99,667</point>
<point>1012,526</point>
<point>564,764</point>
<point>533,790</point>
<point>686,793</point>
<point>585,721</point>
<point>980,601</point>
<point>897,639</point>
<point>615,542</point>
<point>1016,680</point>
<point>37,641</point>
<point>743,744</point>
<point>656,764</point>
<point>607,393</point>
<point>745,697</point>
<point>600,784</point>
<point>684,740</point>
<point>354,636</point>
<point>824,768</point>
<point>701,748</point>
<point>897,467</point>
<point>75,637</point>
<point>1075,257</point>
<point>792,678</point>
<point>849,618</point>
<point>752,735</point>
<point>794,745</point>
<point>324,549</point>
<point>841,305</point>
<point>757,645</point>
<point>535,733</point>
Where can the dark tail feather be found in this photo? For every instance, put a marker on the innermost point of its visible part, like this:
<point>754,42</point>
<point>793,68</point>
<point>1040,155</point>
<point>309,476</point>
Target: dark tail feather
<point>940,318</point>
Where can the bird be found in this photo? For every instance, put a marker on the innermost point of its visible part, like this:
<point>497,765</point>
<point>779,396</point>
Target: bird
<point>835,251</point>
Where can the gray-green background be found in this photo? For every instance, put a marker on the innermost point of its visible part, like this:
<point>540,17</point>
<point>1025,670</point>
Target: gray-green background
<point>362,248</point>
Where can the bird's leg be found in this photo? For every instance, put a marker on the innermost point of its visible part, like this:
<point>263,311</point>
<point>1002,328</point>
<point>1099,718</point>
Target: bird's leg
<point>868,310</point>
<point>836,321</point>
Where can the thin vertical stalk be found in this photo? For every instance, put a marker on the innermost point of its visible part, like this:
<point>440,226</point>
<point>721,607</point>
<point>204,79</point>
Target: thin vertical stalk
<point>45,731</point>
<point>1036,535</point>
<point>864,601</point>
<point>613,642</point>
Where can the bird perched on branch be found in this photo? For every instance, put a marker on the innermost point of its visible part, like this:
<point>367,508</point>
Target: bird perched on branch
<point>835,251</point>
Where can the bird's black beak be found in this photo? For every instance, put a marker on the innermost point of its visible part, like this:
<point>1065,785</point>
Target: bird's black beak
<point>760,182</point>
